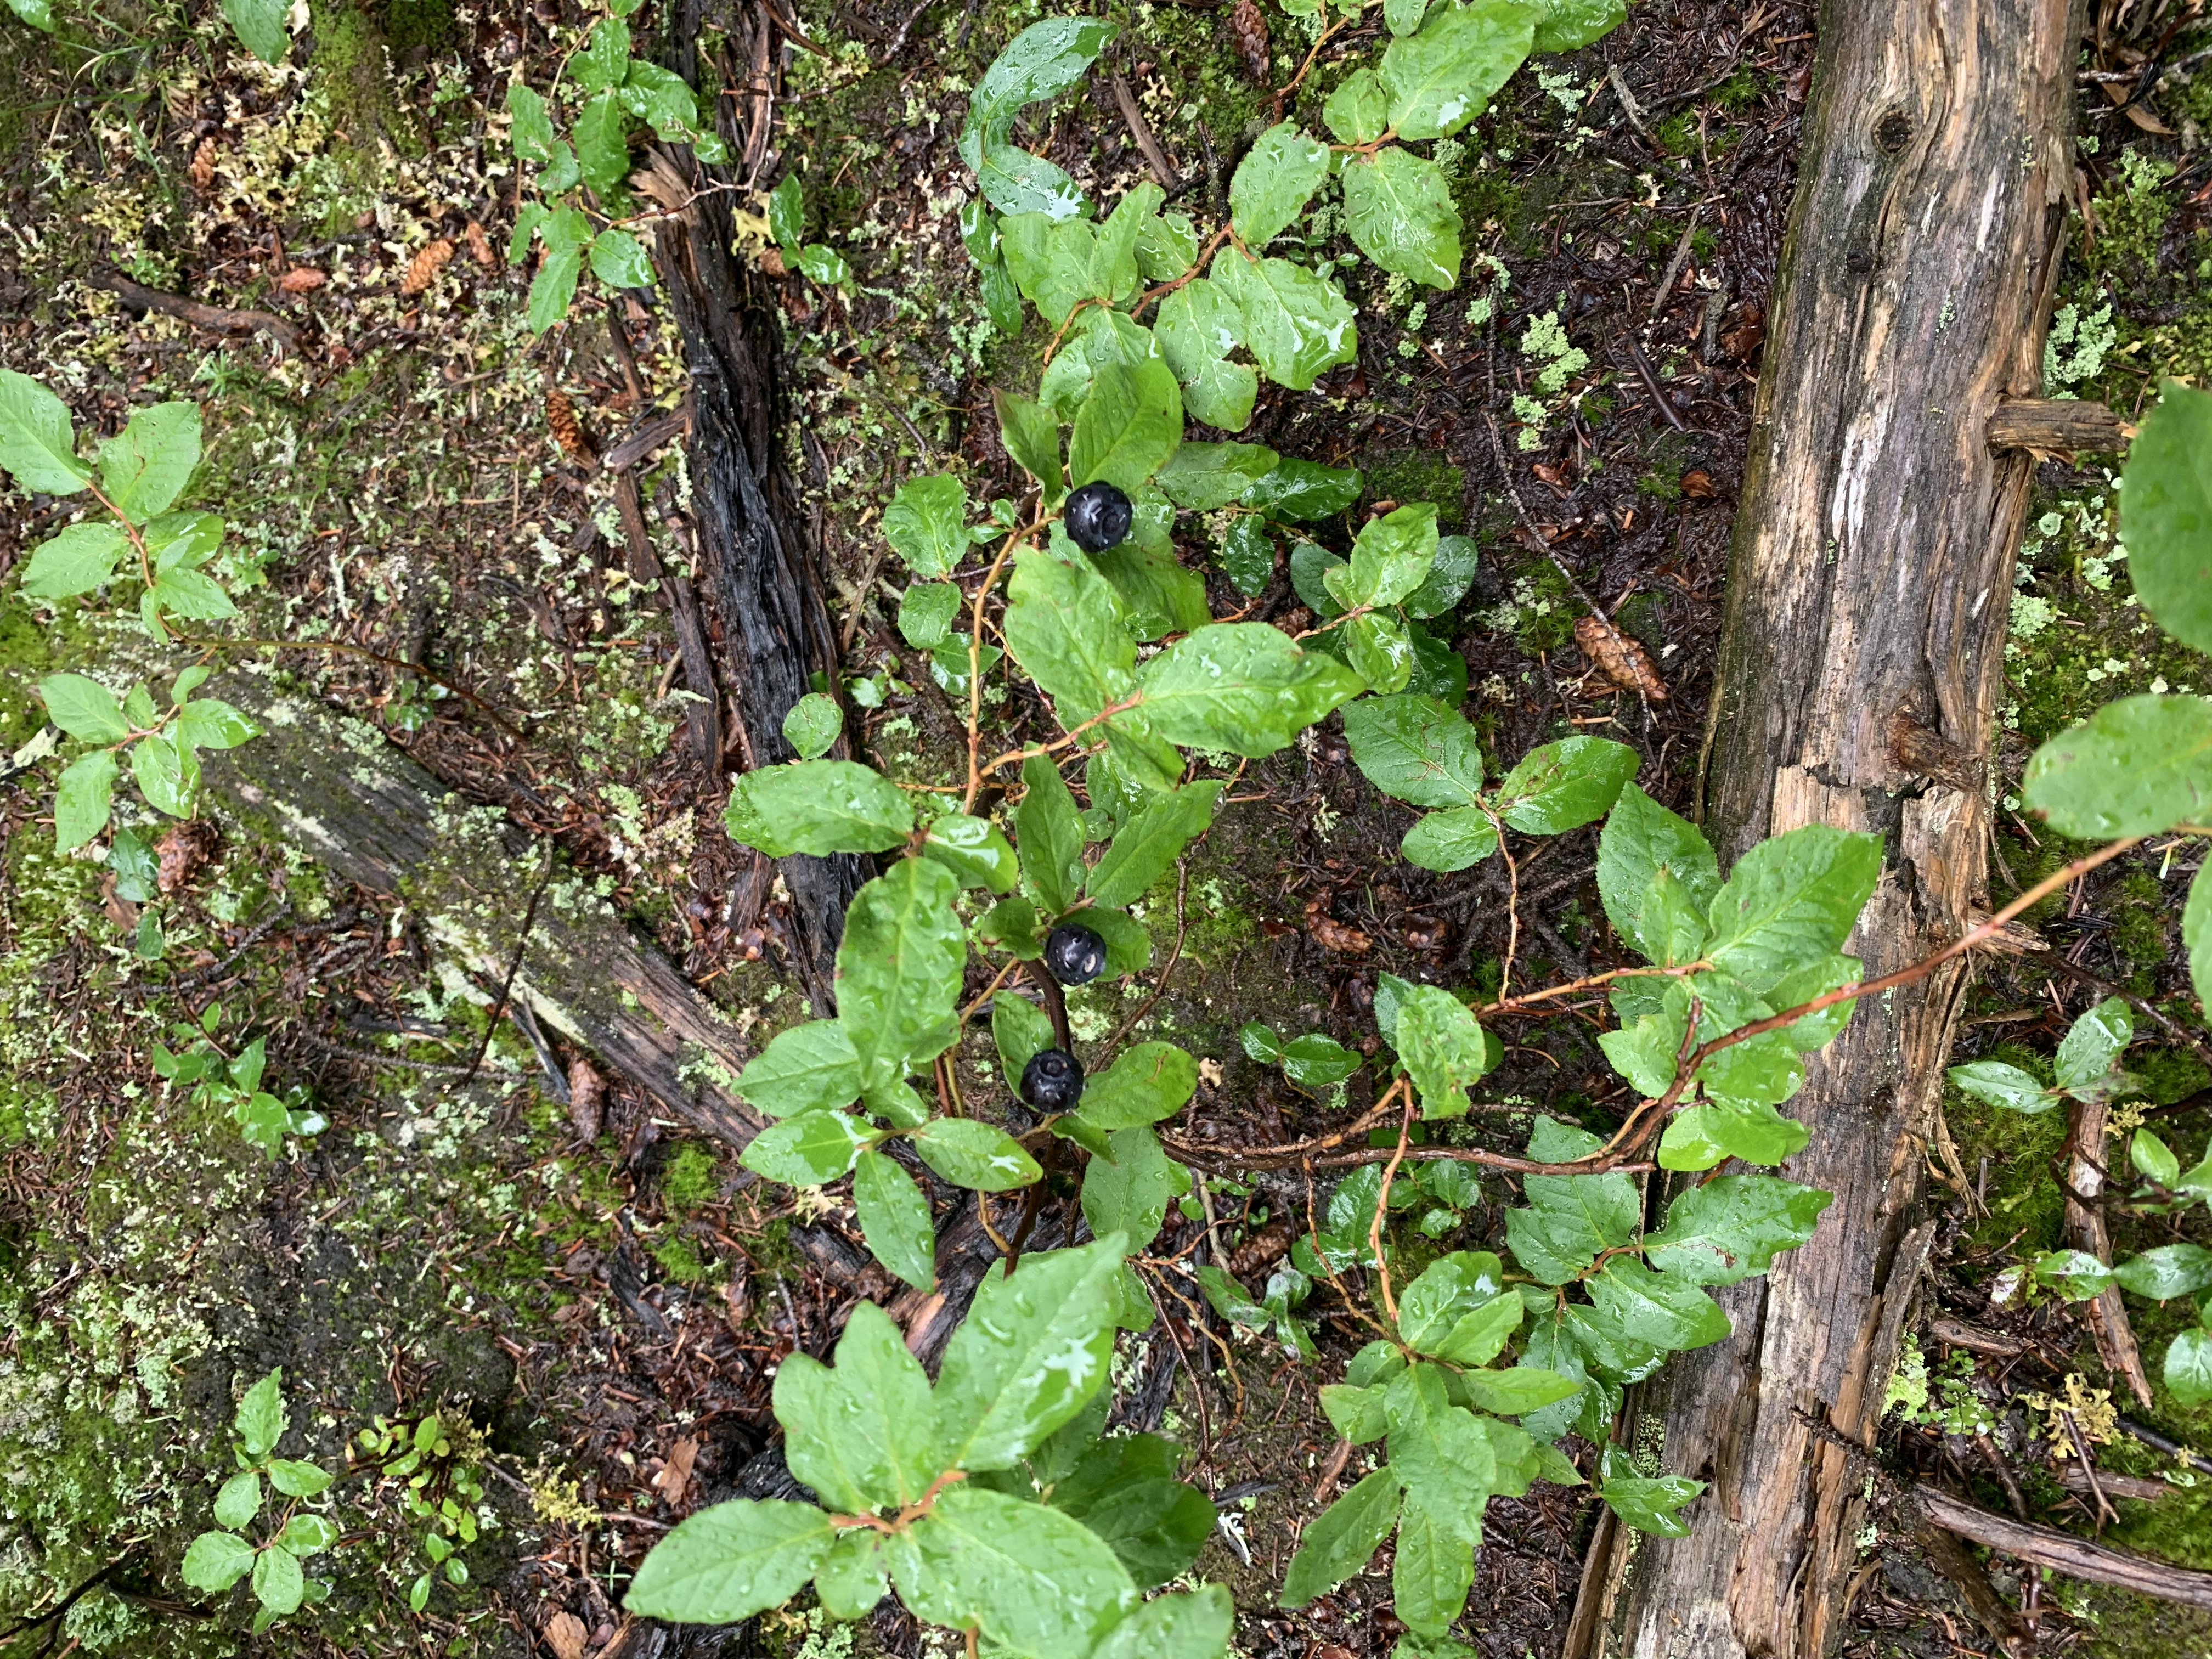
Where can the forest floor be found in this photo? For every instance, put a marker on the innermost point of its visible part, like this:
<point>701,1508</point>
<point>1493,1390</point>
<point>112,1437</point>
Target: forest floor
<point>593,1303</point>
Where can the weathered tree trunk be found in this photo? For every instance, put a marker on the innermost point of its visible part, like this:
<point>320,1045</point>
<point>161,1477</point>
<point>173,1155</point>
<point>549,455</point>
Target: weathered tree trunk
<point>1868,589</point>
<point>758,567</point>
<point>334,788</point>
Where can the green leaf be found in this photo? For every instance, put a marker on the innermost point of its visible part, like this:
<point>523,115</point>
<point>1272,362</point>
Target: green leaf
<point>260,26</point>
<point>2093,1044</point>
<point>1343,1540</point>
<point>1297,324</point>
<point>531,133</point>
<point>813,725</point>
<point>1197,327</point>
<point>1167,246</point>
<point>1458,1307</point>
<point>1044,60</point>
<point>1390,558</point>
<point>926,613</point>
<point>1241,688</point>
<point>211,723</point>
<point>1205,477</point>
<point>2153,1158</point>
<point>1297,491</point>
<point>1128,426</point>
<point>811,1068</point>
<point>899,967</point>
<point>1063,624</point>
<point>1248,555</point>
<point>1658,1309</point>
<point>1020,1029</point>
<point>1359,111</point>
<point>1439,80</point>
<point>1032,436</point>
<point>1183,1625</point>
<point>1274,182</point>
<point>858,1434</point>
<point>83,799</point>
<point>817,806</point>
<point>1416,749</point>
<point>239,1501</point>
<point>852,1579</point>
<point>973,849</point>
<point>605,60</point>
<point>2188,1370</point>
<point>1146,847</point>
<point>296,1479</point>
<point>825,265</point>
<point>307,1535</point>
<point>1033,1580</point>
<point>975,1155</point>
<point>1015,181</point>
<point>82,557</point>
<point>2004,1086</point>
<point>1151,1081</point>
<point>1033,1350</point>
<point>601,135</point>
<point>659,97</point>
<point>38,13</point>
<point>1437,1450</point>
<point>1565,785</point>
<point>83,708</point>
<point>1124,1491</point>
<point>1158,596</point>
<point>1651,1505</point>
<point>1725,1229</point>
<point>35,442</point>
<point>619,260</point>
<point>1640,839</point>
<point>1570,25</point>
<point>1443,1049</point>
<point>1518,1388</point>
<point>188,593</point>
<point>2166,513</point>
<point>260,1419</point>
<point>807,1150</point>
<point>1568,1219</point>
<point>1128,1193</point>
<point>2169,1271</point>
<point>1792,899</point>
<point>553,286</point>
<point>1128,946</point>
<point>2074,1274</point>
<point>1356,1413</point>
<point>731,1561</point>
<point>926,523</point>
<point>894,1219</point>
<point>1764,1071</point>
<point>146,466</point>
<point>278,1583</point>
<point>1434,1567</point>
<point>1450,839</point>
<point>1050,830</point>
<point>1702,1136</point>
<point>1449,574</point>
<point>2135,768</point>
<point>786,213</point>
<point>216,1560</point>
<point>1399,210</point>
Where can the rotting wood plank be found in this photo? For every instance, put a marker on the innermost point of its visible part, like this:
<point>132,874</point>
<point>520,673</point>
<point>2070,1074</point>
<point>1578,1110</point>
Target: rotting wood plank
<point>1868,591</point>
<point>333,787</point>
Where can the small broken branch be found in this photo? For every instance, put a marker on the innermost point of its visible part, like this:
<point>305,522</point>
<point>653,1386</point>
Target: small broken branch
<point>218,319</point>
<point>1155,157</point>
<point>2057,426</point>
<point>2061,1552</point>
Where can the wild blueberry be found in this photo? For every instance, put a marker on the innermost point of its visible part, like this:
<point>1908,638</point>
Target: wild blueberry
<point>1075,955</point>
<point>1097,517</point>
<point>1053,1080</point>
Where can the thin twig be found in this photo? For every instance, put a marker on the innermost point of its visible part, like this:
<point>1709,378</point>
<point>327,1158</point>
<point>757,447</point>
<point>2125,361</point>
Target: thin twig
<point>1382,1203</point>
<point>514,963</point>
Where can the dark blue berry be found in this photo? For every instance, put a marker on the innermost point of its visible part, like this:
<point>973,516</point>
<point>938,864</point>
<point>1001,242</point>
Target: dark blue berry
<point>1075,955</point>
<point>1052,1081</point>
<point>1097,517</point>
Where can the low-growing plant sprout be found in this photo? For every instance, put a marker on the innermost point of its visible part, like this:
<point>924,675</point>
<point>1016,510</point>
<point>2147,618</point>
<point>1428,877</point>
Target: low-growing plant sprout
<point>288,1539</point>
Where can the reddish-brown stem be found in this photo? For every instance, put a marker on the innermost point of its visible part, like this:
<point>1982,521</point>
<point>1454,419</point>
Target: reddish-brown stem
<point>1072,734</point>
<point>907,1516</point>
<point>1383,1202</point>
<point>1014,539</point>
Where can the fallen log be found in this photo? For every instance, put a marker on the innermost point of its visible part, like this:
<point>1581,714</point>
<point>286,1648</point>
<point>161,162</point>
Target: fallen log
<point>333,787</point>
<point>2062,1552</point>
<point>1868,578</point>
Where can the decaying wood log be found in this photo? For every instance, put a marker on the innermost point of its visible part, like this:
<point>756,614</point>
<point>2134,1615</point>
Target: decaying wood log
<point>758,570</point>
<point>333,787</point>
<point>2085,1223</point>
<point>2062,1552</point>
<point>1869,577</point>
<point>2057,426</point>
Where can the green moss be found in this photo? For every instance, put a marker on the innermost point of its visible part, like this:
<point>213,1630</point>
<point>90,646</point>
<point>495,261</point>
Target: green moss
<point>352,71</point>
<point>410,23</point>
<point>2022,1197</point>
<point>1415,474</point>
<point>679,1259</point>
<point>692,1177</point>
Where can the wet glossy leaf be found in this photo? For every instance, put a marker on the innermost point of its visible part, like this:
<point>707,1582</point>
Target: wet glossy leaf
<point>1034,1581</point>
<point>813,725</point>
<point>1203,476</point>
<point>1658,1308</point>
<point>1416,749</point>
<point>1568,1219</point>
<point>1063,624</point>
<point>894,1219</point>
<point>974,850</point>
<point>1129,1190</point>
<point>1700,1137</point>
<point>1443,1049</point>
<point>1399,210</point>
<point>1183,1625</point>
<point>1031,436</point>
<point>731,1561</point>
<point>808,1150</point>
<point>858,1433</point>
<point>216,1560</point>
<point>1442,78</point>
<point>1434,1567</point>
<point>1790,900</point>
<point>82,557</point>
<point>36,444</point>
<point>2135,768</point>
<point>926,523</point>
<point>2093,1044</point>
<point>1146,849</point>
<point>977,1156</point>
<point>2166,513</point>
<point>1343,1540</point>
<point>239,1501</point>
<point>1727,1229</point>
<point>278,1583</point>
<point>1145,1084</point>
<point>1274,182</point>
<point>1450,839</point>
<point>1359,111</point>
<point>817,806</point>
<point>1241,688</point>
<point>2169,1271</point>
<point>1198,327</point>
<point>899,967</point>
<point>146,466</point>
<point>1565,785</point>
<point>1297,324</point>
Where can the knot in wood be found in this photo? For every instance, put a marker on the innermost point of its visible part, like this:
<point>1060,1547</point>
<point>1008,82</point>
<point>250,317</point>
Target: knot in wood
<point>1893,131</point>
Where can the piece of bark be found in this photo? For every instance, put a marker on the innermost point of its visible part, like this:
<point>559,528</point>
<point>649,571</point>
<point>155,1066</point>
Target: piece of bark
<point>217,319</point>
<point>1141,129</point>
<point>2057,426</point>
<point>757,565</point>
<point>1870,571</point>
<point>2075,1478</point>
<point>2062,1552</point>
<point>2085,1222</point>
<point>1991,1611</point>
<point>335,789</point>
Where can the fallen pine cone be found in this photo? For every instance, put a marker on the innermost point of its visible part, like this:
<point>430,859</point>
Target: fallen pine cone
<point>567,430</point>
<point>423,269</point>
<point>180,851</point>
<point>1333,935</point>
<point>1248,32</point>
<point>587,1095</point>
<point>300,279</point>
<point>480,246</point>
<point>202,166</point>
<point>1619,657</point>
<point>1261,1250</point>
